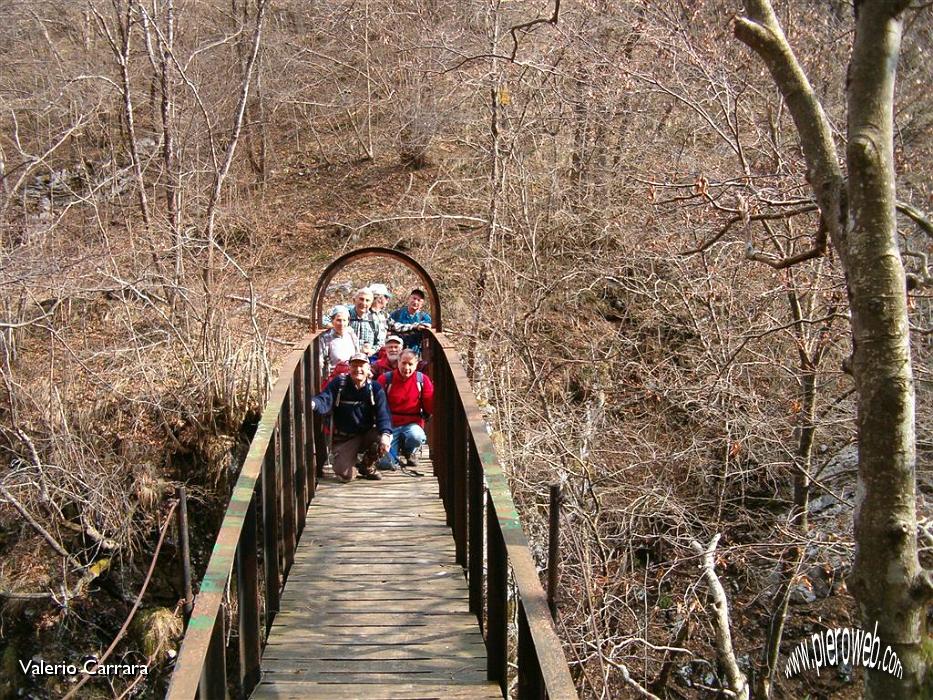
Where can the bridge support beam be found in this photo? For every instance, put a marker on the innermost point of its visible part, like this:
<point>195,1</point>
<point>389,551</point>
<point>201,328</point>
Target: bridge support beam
<point>475,551</point>
<point>497,634</point>
<point>320,444</point>
<point>298,450</point>
<point>442,424</point>
<point>529,671</point>
<point>213,685</point>
<point>247,586</point>
<point>307,381</point>
<point>458,465</point>
<point>270,534</point>
<point>288,483</point>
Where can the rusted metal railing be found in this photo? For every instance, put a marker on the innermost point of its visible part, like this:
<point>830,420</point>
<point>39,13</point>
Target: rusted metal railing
<point>271,495</point>
<point>486,528</point>
<point>276,484</point>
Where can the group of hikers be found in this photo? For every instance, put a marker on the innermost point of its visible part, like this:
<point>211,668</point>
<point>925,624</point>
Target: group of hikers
<point>375,391</point>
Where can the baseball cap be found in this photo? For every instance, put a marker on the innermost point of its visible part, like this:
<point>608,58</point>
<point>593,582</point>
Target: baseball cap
<point>394,338</point>
<point>358,357</point>
<point>380,288</point>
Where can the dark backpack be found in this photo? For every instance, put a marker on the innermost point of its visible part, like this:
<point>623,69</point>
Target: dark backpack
<point>343,382</point>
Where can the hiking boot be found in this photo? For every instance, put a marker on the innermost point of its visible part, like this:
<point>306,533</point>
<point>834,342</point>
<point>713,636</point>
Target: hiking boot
<point>368,471</point>
<point>411,460</point>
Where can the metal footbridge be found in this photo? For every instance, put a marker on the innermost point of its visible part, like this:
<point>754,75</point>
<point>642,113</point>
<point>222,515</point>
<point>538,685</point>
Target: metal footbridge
<point>418,586</point>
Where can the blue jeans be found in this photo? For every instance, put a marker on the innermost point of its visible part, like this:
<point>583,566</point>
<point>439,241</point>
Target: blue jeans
<point>405,440</point>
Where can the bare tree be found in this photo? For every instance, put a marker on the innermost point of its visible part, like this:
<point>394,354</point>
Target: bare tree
<point>859,214</point>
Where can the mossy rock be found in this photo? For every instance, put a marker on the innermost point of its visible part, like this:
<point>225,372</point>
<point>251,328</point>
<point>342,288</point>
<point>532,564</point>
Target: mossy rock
<point>155,631</point>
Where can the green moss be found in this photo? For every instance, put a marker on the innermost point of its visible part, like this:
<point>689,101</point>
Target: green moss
<point>9,672</point>
<point>926,653</point>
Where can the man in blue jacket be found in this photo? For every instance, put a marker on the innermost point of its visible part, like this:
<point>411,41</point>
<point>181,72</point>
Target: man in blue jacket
<point>361,420</point>
<point>409,321</point>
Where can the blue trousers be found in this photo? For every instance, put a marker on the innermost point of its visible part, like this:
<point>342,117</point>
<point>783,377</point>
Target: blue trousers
<point>405,440</point>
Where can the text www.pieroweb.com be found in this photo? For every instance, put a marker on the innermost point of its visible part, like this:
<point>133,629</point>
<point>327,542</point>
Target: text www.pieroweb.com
<point>844,645</point>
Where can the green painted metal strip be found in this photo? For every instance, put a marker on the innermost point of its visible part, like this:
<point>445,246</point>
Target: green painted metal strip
<point>201,622</point>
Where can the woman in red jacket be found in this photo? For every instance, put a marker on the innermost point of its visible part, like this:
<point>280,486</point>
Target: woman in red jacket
<point>411,401</point>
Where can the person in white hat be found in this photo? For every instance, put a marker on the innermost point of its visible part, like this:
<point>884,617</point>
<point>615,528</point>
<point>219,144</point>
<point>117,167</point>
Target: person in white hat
<point>382,290</point>
<point>339,342</point>
<point>381,296</point>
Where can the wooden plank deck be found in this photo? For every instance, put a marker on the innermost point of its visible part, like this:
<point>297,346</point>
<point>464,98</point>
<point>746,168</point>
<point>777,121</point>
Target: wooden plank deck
<point>375,605</point>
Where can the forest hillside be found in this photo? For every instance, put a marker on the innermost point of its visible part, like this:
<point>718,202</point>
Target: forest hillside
<point>656,228</point>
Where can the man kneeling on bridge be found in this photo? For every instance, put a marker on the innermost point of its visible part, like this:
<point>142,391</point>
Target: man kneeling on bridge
<point>361,420</point>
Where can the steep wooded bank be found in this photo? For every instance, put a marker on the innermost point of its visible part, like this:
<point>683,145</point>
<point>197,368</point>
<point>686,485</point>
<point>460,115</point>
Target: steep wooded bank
<point>656,228</point>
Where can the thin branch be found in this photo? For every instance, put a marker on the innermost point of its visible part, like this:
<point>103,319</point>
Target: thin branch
<point>285,312</point>
<point>528,25</point>
<point>818,250</point>
<point>775,329</point>
<point>415,217</point>
<point>660,682</point>
<point>91,572</point>
<point>627,677</point>
<point>31,162</point>
<point>774,216</point>
<point>917,216</point>
<point>14,595</point>
<point>11,499</point>
<point>221,174</point>
<point>511,58</point>
<point>167,44</point>
<point>924,278</point>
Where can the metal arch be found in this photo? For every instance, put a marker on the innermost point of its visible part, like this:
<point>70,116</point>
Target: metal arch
<point>375,251</point>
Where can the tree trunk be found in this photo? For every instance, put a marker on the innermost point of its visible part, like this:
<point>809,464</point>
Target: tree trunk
<point>169,156</point>
<point>806,427</point>
<point>886,578</point>
<point>495,187</point>
<point>804,457</point>
<point>887,581</point>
